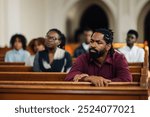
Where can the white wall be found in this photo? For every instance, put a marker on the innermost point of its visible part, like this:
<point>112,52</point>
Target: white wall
<point>34,18</point>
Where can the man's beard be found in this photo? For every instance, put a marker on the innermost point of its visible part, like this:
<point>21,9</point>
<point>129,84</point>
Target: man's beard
<point>96,54</point>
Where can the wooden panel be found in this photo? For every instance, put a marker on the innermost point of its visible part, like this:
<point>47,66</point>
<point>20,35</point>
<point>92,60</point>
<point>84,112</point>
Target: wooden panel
<point>71,90</point>
<point>44,76</point>
<point>15,68</point>
<point>136,64</point>
<point>32,76</point>
<point>135,69</point>
<point>120,45</point>
<point>12,63</point>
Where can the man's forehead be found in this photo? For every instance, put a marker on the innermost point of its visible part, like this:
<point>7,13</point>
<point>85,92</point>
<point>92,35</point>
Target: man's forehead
<point>98,36</point>
<point>88,31</point>
<point>131,35</point>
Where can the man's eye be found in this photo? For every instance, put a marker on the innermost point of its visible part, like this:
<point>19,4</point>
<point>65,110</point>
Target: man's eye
<point>99,43</point>
<point>91,41</point>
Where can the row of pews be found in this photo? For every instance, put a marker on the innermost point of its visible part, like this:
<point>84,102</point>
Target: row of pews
<point>19,82</point>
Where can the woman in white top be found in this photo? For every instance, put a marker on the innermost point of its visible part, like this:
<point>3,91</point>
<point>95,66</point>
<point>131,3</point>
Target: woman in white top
<point>35,45</point>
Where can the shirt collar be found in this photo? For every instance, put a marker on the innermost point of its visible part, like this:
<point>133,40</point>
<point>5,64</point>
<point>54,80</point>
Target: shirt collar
<point>18,51</point>
<point>85,46</point>
<point>107,60</point>
<point>129,49</point>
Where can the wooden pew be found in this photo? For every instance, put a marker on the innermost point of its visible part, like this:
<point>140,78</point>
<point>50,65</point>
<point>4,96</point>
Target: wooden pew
<point>23,88</point>
<point>3,52</point>
<point>21,68</point>
<point>43,76</point>
<point>120,45</point>
<point>32,76</point>
<point>135,69</point>
<point>37,90</point>
<point>12,63</point>
<point>15,68</point>
<point>1,58</point>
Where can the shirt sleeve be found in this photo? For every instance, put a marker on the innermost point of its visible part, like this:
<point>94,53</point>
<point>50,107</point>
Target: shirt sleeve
<point>141,55</point>
<point>77,68</point>
<point>122,73</point>
<point>36,66</point>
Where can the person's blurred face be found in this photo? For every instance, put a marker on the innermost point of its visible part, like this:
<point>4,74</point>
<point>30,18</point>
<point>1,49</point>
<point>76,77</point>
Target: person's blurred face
<point>98,46</point>
<point>131,39</point>
<point>38,47</point>
<point>18,45</point>
<point>87,36</point>
<point>52,40</point>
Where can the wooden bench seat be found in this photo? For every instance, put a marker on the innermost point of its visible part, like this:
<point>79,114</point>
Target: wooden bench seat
<point>70,91</point>
<point>12,63</point>
<point>32,76</point>
<point>15,68</point>
<point>43,76</point>
<point>21,68</point>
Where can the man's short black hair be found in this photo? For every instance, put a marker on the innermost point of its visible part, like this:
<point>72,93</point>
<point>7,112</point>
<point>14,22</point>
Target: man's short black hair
<point>108,34</point>
<point>21,37</point>
<point>87,29</point>
<point>134,32</point>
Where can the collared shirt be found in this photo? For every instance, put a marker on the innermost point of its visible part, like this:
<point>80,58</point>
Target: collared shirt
<point>83,48</point>
<point>61,62</point>
<point>134,54</point>
<point>86,46</point>
<point>16,55</point>
<point>114,68</point>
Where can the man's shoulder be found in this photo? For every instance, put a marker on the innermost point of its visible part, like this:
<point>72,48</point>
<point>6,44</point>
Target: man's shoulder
<point>122,48</point>
<point>84,57</point>
<point>117,54</point>
<point>138,48</point>
<point>79,48</point>
<point>10,52</point>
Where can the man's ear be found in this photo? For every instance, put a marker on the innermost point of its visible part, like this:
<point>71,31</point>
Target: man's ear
<point>108,46</point>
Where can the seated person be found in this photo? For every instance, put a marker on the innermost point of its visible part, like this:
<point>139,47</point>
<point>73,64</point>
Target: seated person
<point>35,45</point>
<point>18,52</point>
<point>84,47</point>
<point>53,58</point>
<point>132,52</point>
<point>102,64</point>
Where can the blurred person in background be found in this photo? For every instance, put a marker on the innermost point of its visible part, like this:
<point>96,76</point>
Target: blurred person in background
<point>35,45</point>
<point>18,52</point>
<point>84,47</point>
<point>132,52</point>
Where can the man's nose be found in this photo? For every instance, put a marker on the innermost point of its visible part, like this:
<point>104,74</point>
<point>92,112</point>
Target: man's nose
<point>93,45</point>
